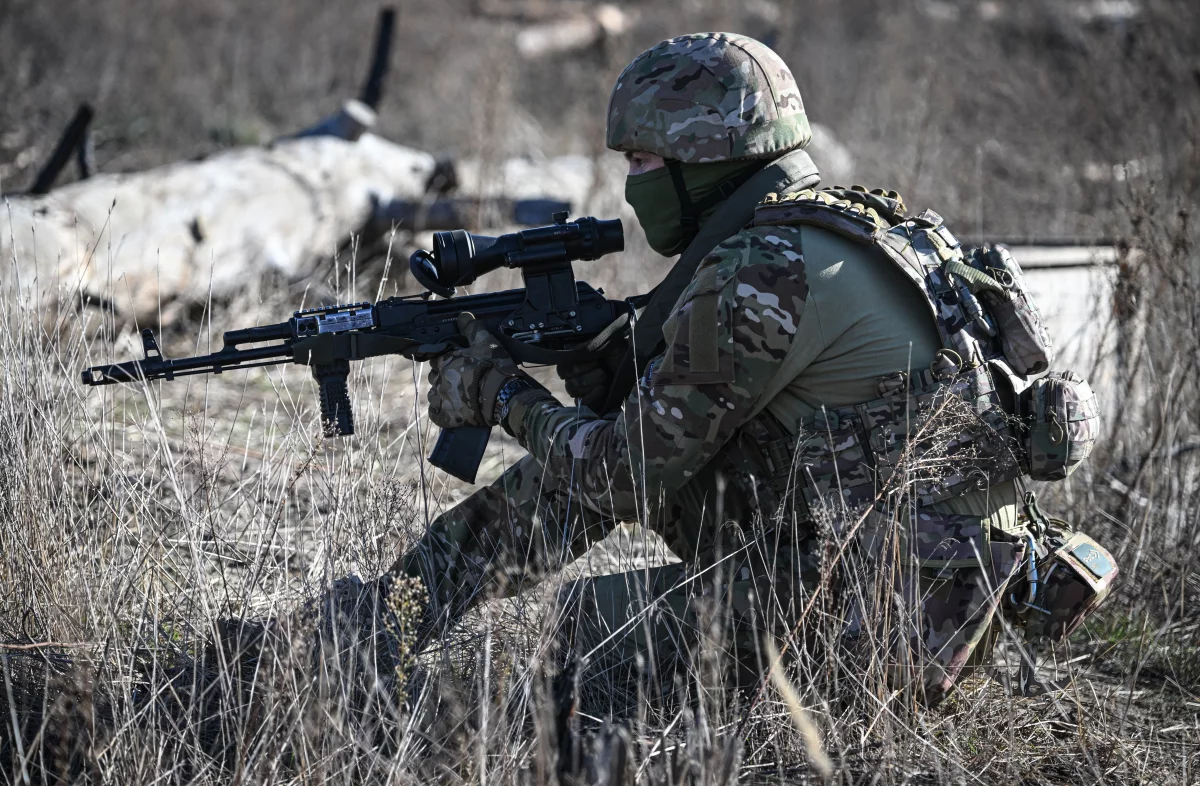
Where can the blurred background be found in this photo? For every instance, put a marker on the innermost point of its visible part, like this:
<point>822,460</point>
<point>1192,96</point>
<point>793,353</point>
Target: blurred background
<point>1013,118</point>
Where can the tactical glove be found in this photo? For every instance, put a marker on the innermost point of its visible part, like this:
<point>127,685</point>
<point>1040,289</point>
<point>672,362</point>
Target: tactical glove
<point>463,384</point>
<point>588,380</point>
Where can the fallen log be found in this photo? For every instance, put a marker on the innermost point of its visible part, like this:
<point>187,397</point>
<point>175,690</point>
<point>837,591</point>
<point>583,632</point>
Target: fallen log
<point>179,233</point>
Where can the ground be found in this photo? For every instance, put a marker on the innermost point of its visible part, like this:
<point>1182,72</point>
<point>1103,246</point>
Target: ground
<point>133,520</point>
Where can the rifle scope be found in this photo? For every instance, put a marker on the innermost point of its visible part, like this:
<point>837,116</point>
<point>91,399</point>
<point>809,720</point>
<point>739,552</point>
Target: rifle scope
<point>458,257</point>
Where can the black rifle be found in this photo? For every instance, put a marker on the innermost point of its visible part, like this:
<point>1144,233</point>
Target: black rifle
<point>538,324</point>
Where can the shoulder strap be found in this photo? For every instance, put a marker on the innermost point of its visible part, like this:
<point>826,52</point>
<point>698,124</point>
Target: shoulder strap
<point>794,170</point>
<point>922,247</point>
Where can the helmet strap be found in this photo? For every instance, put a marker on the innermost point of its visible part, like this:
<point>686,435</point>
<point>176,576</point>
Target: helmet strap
<point>689,211</point>
<point>689,216</point>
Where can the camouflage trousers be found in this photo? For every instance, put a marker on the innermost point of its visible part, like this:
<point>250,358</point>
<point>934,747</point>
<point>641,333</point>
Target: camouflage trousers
<point>927,628</point>
<point>735,586</point>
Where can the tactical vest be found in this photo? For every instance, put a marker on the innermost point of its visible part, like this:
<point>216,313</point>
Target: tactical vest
<point>978,386</point>
<point>977,417</point>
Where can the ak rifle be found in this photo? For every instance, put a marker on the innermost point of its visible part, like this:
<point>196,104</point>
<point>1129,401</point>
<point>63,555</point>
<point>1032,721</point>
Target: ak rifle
<point>550,321</point>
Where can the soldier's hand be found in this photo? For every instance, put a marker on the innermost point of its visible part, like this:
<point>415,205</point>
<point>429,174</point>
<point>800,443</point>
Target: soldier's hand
<point>588,380</point>
<point>463,384</point>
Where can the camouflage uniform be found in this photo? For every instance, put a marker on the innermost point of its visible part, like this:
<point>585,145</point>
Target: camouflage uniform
<point>777,325</point>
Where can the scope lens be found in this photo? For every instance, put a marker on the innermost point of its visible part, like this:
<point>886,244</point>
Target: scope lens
<point>463,257</point>
<point>610,236</point>
<point>446,248</point>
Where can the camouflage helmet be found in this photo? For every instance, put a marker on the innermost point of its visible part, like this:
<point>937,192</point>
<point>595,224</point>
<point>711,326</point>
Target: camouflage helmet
<point>707,97</point>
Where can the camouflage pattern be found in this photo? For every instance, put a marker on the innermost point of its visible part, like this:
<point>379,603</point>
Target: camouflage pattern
<point>947,540</point>
<point>1062,421</point>
<point>731,328</point>
<point>937,584</point>
<point>1024,341</point>
<point>463,385</point>
<point>957,618</point>
<point>1075,579</point>
<point>926,433</point>
<point>692,456</point>
<point>707,97</point>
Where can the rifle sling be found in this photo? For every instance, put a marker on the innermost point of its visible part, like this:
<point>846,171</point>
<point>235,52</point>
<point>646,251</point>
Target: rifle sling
<point>540,356</point>
<point>789,172</point>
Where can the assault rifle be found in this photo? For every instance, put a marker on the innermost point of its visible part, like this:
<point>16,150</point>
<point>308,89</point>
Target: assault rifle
<point>546,322</point>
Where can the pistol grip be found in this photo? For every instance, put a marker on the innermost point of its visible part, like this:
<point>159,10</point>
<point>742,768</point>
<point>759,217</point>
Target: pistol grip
<point>459,450</point>
<point>336,416</point>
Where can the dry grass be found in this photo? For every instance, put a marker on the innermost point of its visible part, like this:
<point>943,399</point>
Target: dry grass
<point>133,521</point>
<point>136,520</point>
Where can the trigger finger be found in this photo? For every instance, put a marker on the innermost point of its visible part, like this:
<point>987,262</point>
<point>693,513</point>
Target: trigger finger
<point>470,327</point>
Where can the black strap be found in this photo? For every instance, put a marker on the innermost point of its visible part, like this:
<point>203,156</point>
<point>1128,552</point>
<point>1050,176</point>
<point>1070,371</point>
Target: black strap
<point>638,301</point>
<point>729,187</point>
<point>791,171</point>
<point>540,356</point>
<point>689,216</point>
<point>689,211</point>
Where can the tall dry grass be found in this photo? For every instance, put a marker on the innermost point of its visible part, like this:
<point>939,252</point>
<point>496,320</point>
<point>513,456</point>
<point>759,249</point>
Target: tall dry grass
<point>140,527</point>
<point>148,532</point>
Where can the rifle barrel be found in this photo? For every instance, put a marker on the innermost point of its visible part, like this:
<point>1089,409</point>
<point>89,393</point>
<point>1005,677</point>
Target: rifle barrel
<point>166,368</point>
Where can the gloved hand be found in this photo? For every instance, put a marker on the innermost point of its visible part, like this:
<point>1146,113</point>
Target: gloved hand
<point>588,380</point>
<point>463,384</point>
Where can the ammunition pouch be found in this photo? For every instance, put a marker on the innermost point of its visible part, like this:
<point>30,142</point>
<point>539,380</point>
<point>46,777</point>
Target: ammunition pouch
<point>993,274</point>
<point>1060,421</point>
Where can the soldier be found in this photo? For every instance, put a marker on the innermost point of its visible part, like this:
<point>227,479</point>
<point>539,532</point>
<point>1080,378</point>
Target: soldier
<point>742,418</point>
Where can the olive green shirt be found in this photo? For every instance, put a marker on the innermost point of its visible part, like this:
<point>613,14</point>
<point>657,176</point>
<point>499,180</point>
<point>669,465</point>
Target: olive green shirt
<point>863,318</point>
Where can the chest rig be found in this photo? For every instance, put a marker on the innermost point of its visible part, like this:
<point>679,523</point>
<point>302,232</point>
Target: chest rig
<point>979,415</point>
<point>933,433</point>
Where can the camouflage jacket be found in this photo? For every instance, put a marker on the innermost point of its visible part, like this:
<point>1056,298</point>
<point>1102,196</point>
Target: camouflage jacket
<point>729,331</point>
